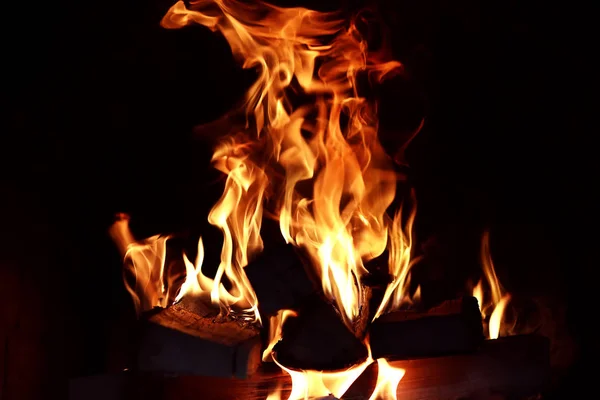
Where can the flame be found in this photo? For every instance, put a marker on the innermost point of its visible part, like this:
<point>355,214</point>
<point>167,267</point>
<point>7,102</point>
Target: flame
<point>319,384</point>
<point>316,166</point>
<point>275,330</point>
<point>388,378</point>
<point>494,307</point>
<point>310,384</point>
<point>154,285</point>
<point>145,260</point>
<point>276,393</point>
<point>497,317</point>
<point>400,263</point>
<point>239,215</point>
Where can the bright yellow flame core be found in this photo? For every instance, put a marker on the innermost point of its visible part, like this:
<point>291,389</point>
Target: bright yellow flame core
<point>496,306</point>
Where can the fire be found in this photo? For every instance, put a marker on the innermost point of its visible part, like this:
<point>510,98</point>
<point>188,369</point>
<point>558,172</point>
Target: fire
<point>146,261</point>
<point>494,307</point>
<point>311,384</point>
<point>400,263</point>
<point>309,157</point>
<point>321,384</point>
<point>320,162</point>
<point>275,330</point>
<point>154,284</point>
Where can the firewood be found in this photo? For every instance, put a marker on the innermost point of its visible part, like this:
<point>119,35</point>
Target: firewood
<point>511,367</point>
<point>318,339</point>
<point>177,340</point>
<point>515,367</point>
<point>454,326</point>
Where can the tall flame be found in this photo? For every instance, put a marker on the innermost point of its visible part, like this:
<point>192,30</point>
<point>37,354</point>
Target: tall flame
<point>320,160</point>
<point>496,305</point>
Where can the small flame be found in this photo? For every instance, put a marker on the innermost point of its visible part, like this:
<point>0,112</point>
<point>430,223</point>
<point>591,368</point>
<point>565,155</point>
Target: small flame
<point>495,307</point>
<point>400,263</point>
<point>388,379</point>
<point>497,317</point>
<point>239,215</point>
<point>154,285</point>
<point>309,384</point>
<point>275,330</point>
<point>145,261</point>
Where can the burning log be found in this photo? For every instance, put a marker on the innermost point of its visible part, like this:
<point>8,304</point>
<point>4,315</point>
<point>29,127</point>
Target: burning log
<point>178,340</point>
<point>453,327</point>
<point>318,339</point>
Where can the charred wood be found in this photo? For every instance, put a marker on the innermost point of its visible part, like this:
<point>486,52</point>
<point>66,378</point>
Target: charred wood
<point>177,340</point>
<point>453,327</point>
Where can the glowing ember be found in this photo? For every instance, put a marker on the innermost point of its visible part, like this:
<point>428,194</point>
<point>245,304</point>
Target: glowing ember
<point>494,307</point>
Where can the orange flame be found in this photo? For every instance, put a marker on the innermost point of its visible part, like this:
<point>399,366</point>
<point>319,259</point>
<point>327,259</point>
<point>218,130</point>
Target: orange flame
<point>388,378</point>
<point>319,384</point>
<point>146,261</point>
<point>328,179</point>
<point>400,263</point>
<point>331,180</point>
<point>154,286</point>
<point>494,307</point>
<point>275,330</point>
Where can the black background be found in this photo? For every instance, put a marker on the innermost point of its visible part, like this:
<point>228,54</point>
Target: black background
<point>102,102</point>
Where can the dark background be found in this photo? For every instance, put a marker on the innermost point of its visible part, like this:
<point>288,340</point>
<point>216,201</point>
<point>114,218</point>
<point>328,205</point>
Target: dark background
<point>102,101</point>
